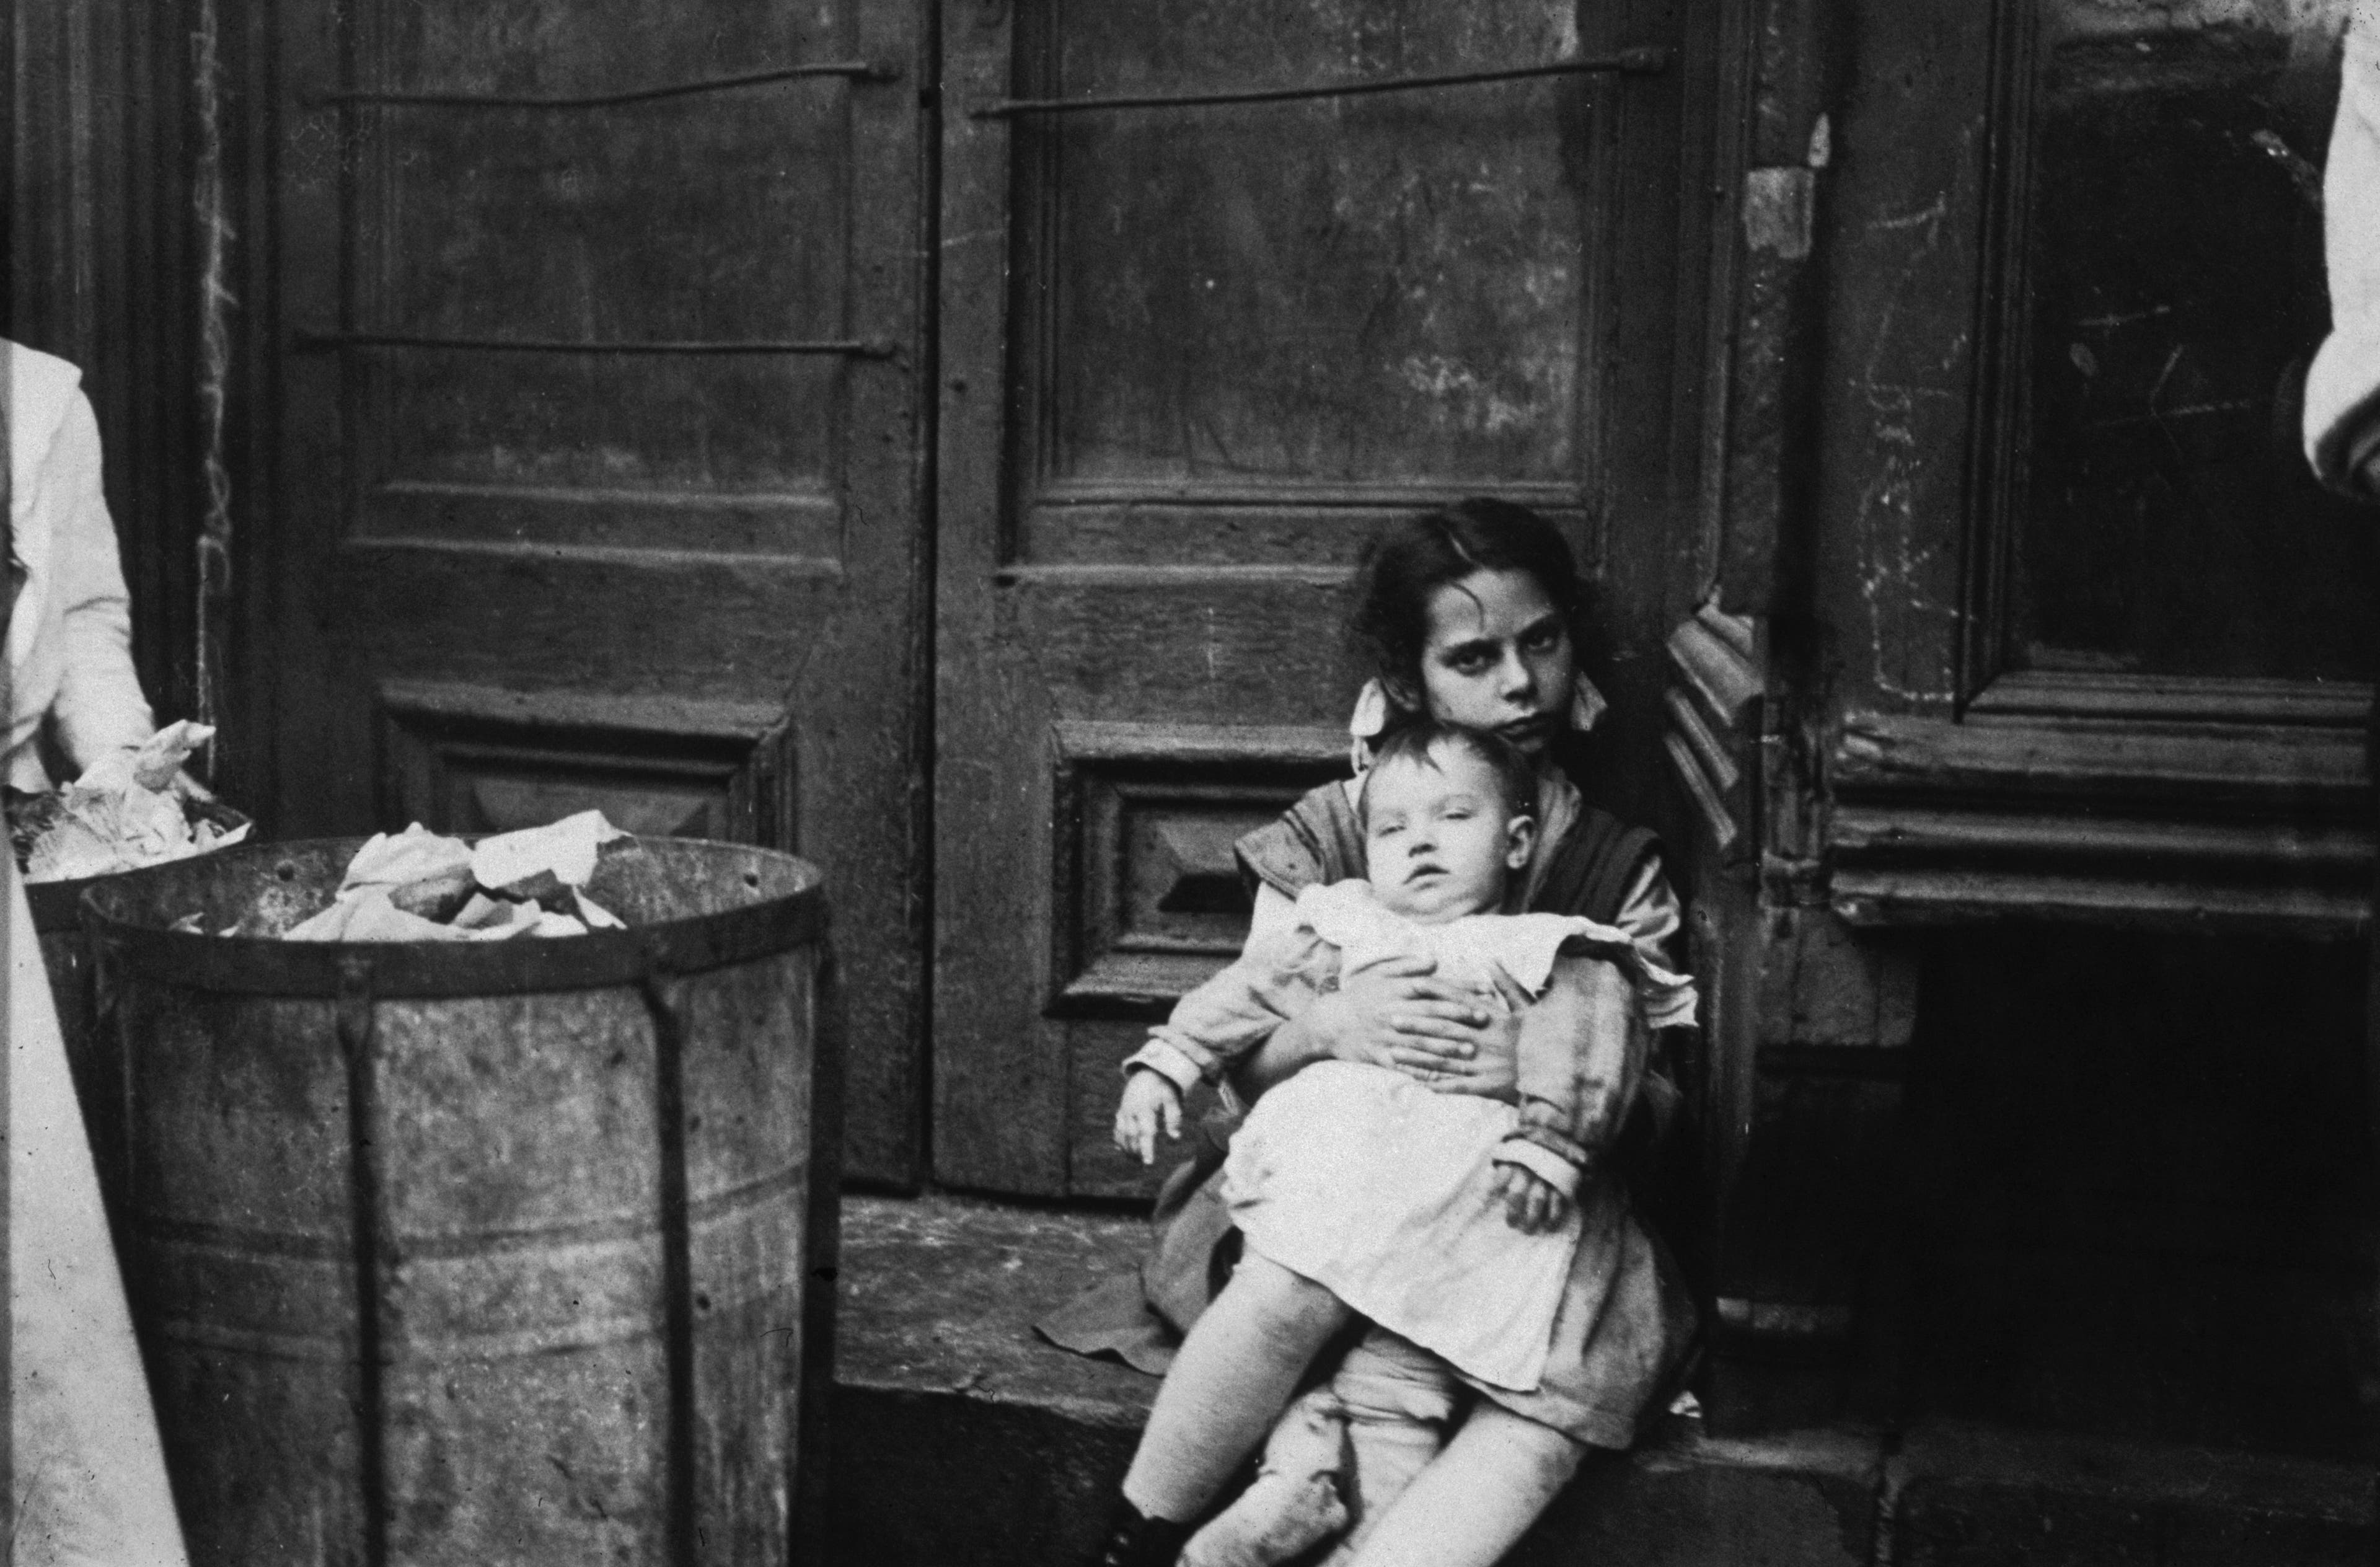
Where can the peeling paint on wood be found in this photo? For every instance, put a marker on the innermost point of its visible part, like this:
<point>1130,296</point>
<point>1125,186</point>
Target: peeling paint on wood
<point>1778,210</point>
<point>2323,20</point>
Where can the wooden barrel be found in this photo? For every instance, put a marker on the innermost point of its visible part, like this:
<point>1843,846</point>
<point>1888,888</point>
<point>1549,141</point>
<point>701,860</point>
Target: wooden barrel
<point>454,1253</point>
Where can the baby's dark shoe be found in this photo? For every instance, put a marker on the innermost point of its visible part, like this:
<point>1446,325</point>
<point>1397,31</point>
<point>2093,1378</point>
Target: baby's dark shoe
<point>1136,1540</point>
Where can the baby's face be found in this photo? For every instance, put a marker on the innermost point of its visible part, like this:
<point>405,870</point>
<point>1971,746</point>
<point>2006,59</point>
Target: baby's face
<point>1437,839</point>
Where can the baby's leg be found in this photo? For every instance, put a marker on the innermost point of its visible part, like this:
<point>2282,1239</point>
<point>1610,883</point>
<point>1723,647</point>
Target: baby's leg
<point>1478,1498</point>
<point>1232,1377</point>
<point>1399,1399</point>
<point>1294,1502</point>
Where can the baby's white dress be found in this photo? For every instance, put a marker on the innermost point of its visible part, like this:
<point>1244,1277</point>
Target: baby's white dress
<point>1380,1189</point>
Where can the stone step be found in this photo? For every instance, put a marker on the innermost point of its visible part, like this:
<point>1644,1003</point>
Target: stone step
<point>961,1440</point>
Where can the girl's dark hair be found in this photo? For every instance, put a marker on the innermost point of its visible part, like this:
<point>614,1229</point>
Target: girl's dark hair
<point>1411,560</point>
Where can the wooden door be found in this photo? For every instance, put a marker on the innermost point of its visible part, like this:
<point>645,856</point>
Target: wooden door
<point>2043,624</point>
<point>591,472</point>
<point>1191,357</point>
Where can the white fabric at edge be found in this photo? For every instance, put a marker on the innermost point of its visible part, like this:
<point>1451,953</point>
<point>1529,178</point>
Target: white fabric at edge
<point>89,1472</point>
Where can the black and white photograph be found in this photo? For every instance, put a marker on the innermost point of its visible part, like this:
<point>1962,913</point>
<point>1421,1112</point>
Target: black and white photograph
<point>1190,782</point>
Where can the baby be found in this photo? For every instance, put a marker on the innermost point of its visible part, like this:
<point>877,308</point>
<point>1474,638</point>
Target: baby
<point>1446,1219</point>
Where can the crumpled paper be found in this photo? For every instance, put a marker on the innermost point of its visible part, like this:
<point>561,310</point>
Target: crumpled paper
<point>539,861</point>
<point>123,813</point>
<point>416,854</point>
<point>421,886</point>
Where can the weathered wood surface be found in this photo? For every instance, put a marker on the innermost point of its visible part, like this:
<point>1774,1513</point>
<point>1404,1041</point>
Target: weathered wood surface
<point>1715,707</point>
<point>2063,568</point>
<point>736,538</point>
<point>1191,359</point>
<point>2101,817</point>
<point>1253,293</point>
<point>1899,235</point>
<point>2038,669</point>
<point>2239,765</point>
<point>1771,438</point>
<point>2056,316</point>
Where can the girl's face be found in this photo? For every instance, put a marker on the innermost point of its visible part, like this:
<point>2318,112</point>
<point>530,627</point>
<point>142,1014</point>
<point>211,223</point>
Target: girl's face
<point>1497,656</point>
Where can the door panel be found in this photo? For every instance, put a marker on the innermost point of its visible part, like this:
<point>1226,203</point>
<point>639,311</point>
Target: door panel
<point>682,585</point>
<point>1239,295</point>
<point>1193,358</point>
<point>2161,532</point>
<point>1265,306</point>
<point>2102,639</point>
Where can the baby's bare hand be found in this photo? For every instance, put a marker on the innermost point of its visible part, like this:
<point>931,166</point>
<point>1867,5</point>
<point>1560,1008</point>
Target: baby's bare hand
<point>1532,1204</point>
<point>1152,1105</point>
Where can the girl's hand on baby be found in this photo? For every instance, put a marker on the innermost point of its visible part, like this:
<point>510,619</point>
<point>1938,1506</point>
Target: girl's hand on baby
<point>1151,1103</point>
<point>1400,1013</point>
<point>1532,1204</point>
<point>1489,1064</point>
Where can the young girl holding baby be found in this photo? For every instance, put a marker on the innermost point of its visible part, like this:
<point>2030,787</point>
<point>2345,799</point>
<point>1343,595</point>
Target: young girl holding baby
<point>1473,615</point>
